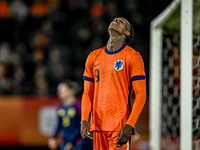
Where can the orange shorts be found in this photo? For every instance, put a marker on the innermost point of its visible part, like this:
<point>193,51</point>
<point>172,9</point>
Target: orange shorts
<point>106,140</point>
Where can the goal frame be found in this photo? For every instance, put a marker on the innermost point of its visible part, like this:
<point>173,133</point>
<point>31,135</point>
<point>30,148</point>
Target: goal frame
<point>156,37</point>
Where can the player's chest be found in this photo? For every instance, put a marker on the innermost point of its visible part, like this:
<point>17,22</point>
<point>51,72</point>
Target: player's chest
<point>110,64</point>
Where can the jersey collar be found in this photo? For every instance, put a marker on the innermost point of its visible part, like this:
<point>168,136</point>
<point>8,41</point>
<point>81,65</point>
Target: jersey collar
<point>108,52</point>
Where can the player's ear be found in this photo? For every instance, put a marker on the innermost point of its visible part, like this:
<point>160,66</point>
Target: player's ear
<point>127,33</point>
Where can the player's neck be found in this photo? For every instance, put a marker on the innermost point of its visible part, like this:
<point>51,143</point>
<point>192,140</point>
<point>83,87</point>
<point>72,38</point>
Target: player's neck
<point>70,101</point>
<point>115,43</point>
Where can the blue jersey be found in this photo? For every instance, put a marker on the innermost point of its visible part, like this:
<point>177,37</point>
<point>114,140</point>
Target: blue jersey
<point>69,122</point>
<point>69,118</point>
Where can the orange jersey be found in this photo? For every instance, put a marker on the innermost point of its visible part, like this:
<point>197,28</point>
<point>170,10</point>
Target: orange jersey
<point>112,74</point>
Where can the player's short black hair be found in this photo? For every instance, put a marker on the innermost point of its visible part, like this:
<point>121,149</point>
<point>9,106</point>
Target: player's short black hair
<point>130,39</point>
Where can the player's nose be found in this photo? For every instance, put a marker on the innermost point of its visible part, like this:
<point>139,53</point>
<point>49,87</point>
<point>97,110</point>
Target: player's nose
<point>116,20</point>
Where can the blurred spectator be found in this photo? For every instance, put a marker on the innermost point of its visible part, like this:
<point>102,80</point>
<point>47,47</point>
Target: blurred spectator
<point>4,10</point>
<point>54,37</point>
<point>39,9</point>
<point>41,85</point>
<point>5,80</point>
<point>69,114</point>
<point>5,53</point>
<point>97,9</point>
<point>6,68</point>
<point>18,79</point>
<point>18,10</point>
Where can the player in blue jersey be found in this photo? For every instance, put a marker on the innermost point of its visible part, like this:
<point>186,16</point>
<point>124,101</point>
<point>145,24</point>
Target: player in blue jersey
<point>69,117</point>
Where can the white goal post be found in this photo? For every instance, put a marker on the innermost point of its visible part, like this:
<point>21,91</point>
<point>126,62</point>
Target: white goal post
<point>186,75</point>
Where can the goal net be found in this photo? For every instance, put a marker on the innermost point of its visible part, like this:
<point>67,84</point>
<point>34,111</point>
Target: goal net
<point>170,105</point>
<point>165,89</point>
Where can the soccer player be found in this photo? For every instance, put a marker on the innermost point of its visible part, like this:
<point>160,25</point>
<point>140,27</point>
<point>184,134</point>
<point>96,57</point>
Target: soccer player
<point>69,117</point>
<point>112,73</point>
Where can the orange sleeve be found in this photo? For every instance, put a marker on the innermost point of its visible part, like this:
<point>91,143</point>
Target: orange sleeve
<point>88,73</point>
<point>87,98</point>
<point>139,87</point>
<point>137,70</point>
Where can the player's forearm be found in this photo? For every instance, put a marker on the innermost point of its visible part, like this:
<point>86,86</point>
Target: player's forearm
<point>87,99</point>
<point>139,102</point>
<point>86,106</point>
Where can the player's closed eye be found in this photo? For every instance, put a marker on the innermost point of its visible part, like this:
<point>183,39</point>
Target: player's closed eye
<point>121,21</point>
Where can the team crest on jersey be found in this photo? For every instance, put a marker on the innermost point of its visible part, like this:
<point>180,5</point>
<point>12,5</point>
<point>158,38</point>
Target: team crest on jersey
<point>118,65</point>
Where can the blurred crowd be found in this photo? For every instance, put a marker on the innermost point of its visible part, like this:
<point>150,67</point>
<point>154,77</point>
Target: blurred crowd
<point>43,42</point>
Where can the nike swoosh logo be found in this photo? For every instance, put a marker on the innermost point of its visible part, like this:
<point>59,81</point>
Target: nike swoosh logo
<point>96,65</point>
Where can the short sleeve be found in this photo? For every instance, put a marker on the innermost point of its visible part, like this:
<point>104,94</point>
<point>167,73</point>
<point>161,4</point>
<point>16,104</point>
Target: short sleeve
<point>88,73</point>
<point>137,71</point>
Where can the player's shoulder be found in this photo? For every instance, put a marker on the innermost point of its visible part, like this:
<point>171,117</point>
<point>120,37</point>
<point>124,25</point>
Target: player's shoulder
<point>131,51</point>
<point>96,52</point>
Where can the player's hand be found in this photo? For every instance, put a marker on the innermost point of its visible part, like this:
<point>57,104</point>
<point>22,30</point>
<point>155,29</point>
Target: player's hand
<point>124,134</point>
<point>52,144</point>
<point>85,130</point>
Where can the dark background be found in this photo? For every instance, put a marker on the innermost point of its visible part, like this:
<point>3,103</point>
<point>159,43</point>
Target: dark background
<point>43,42</point>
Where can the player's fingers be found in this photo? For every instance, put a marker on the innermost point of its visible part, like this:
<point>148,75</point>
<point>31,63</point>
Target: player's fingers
<point>119,138</point>
<point>125,138</point>
<point>122,139</point>
<point>87,134</point>
<point>83,136</point>
<point>89,137</point>
<point>84,133</point>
